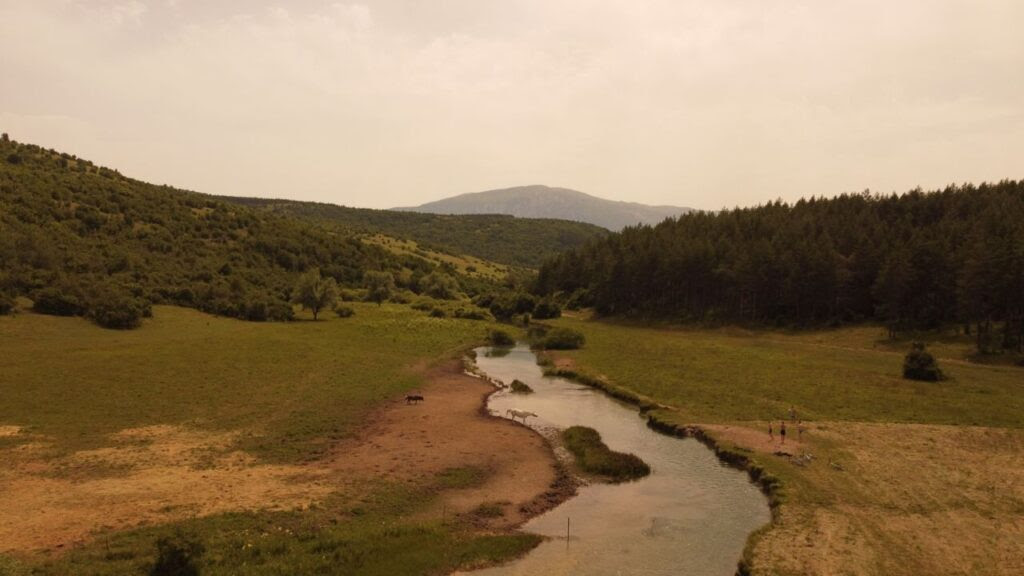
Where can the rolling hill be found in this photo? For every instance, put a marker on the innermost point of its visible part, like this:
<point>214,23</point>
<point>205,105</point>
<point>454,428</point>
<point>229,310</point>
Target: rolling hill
<point>521,242</point>
<point>546,202</point>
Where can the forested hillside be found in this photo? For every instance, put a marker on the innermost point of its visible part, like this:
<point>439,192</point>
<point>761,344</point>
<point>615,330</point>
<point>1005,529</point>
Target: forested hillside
<point>503,239</point>
<point>915,261</point>
<point>80,239</point>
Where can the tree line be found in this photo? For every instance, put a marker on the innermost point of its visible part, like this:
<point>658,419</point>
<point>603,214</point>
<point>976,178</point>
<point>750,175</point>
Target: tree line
<point>920,260</point>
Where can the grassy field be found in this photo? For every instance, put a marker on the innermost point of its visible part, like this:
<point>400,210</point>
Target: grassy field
<point>195,391</point>
<point>292,387</point>
<point>851,374</point>
<point>908,478</point>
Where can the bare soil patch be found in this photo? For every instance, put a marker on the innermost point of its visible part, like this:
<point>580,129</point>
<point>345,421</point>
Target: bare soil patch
<point>415,443</point>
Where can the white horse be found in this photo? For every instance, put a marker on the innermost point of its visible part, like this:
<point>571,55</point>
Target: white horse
<point>519,414</point>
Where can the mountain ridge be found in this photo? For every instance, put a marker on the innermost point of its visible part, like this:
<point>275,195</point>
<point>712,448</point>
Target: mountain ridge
<point>541,201</point>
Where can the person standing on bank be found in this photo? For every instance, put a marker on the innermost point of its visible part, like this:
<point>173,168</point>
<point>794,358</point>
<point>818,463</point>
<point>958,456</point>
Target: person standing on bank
<point>782,431</point>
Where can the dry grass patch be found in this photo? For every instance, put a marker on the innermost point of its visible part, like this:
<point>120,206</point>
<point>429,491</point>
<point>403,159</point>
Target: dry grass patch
<point>146,476</point>
<point>908,499</point>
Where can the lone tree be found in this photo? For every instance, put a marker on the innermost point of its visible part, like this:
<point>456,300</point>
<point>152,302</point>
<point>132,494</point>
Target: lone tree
<point>315,292</point>
<point>919,364</point>
<point>379,285</point>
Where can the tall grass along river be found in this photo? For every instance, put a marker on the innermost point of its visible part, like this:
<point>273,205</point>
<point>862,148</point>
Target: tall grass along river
<point>691,516</point>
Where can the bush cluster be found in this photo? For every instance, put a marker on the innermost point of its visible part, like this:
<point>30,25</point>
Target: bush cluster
<point>7,304</point>
<point>919,364</point>
<point>562,339</point>
<point>511,304</point>
<point>107,304</point>
<point>594,456</point>
<point>500,338</point>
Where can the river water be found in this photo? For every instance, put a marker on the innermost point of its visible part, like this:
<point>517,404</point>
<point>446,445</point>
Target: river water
<point>691,516</point>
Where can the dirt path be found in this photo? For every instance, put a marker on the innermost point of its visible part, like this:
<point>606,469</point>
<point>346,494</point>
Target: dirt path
<point>162,474</point>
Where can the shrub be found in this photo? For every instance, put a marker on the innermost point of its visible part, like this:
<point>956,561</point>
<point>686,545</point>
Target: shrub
<point>344,311</point>
<point>113,307</point>
<point>58,301</point>
<point>256,311</point>
<point>470,314</point>
<point>546,309</point>
<point>594,456</point>
<point>349,295</point>
<point>520,387</point>
<point>379,285</point>
<point>400,298</point>
<point>177,555</point>
<point>437,313</point>
<point>563,339</point>
<point>7,304</point>
<point>919,364</point>
<point>280,311</point>
<point>500,338</point>
<point>579,299</point>
<point>439,285</point>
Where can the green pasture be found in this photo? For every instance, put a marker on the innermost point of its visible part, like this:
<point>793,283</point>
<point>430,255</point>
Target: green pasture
<point>721,375</point>
<point>292,387</point>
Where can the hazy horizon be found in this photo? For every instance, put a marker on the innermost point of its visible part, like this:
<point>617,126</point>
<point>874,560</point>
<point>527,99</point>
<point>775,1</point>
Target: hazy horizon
<point>399,103</point>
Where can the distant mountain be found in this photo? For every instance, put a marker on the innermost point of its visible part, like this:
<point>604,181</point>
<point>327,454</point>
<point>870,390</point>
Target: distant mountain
<point>547,202</point>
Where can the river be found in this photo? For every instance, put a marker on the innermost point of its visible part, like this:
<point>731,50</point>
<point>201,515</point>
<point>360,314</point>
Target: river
<point>691,516</point>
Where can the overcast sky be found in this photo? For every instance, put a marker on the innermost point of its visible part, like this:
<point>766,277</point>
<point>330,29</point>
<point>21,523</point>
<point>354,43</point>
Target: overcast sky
<point>705,103</point>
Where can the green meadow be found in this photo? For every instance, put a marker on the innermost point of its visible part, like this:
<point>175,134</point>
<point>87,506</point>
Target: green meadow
<point>292,387</point>
<point>907,477</point>
<point>722,375</point>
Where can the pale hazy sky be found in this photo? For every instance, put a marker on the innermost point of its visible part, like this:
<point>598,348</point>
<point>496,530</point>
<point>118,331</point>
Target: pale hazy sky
<point>697,103</point>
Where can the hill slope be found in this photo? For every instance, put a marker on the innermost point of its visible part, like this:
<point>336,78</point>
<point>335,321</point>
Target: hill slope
<point>547,202</point>
<point>503,239</point>
<point>91,234</point>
